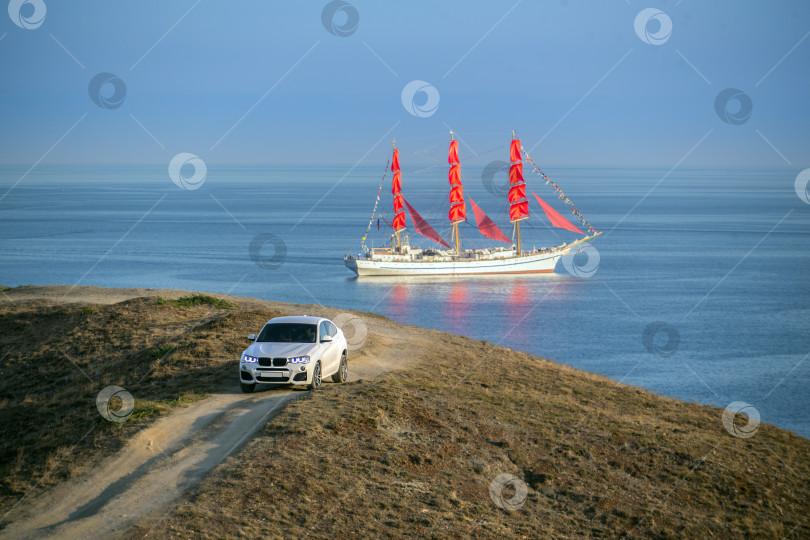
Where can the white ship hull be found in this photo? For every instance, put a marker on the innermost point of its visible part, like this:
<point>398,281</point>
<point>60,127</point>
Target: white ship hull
<point>404,265</point>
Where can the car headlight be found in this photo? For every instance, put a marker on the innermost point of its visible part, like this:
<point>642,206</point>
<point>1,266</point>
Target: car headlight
<point>246,358</point>
<point>299,360</point>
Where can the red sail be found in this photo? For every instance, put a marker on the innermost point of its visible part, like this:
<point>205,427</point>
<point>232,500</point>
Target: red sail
<point>396,189</point>
<point>486,226</point>
<point>516,173</point>
<point>519,208</point>
<point>452,156</point>
<point>399,221</point>
<point>455,173</point>
<point>458,213</point>
<point>422,226</point>
<point>457,194</point>
<point>395,161</point>
<point>514,151</point>
<point>555,218</point>
<point>517,193</point>
<point>519,211</point>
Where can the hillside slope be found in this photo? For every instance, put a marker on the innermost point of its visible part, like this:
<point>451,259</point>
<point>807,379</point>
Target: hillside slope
<point>418,452</point>
<point>416,455</point>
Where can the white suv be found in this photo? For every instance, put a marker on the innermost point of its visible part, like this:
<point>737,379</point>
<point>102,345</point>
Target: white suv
<point>295,350</point>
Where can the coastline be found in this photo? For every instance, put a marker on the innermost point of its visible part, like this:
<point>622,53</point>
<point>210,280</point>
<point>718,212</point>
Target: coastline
<point>429,423</point>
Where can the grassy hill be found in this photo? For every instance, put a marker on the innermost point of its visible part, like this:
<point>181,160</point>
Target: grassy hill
<point>55,357</point>
<point>415,453</point>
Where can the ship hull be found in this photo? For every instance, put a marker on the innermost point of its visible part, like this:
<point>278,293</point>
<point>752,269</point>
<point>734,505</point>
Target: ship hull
<point>542,263</point>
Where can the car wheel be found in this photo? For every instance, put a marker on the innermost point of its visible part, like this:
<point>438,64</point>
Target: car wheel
<point>316,378</point>
<point>247,388</point>
<point>343,371</point>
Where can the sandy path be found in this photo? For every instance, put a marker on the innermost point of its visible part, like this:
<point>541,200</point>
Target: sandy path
<point>155,467</point>
<point>162,461</point>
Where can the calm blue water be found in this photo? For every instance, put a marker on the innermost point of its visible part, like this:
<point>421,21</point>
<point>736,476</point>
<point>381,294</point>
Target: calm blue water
<point>694,254</point>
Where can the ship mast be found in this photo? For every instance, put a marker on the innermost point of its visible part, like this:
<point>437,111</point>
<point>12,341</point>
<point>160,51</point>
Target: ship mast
<point>518,202</point>
<point>396,188</point>
<point>458,209</point>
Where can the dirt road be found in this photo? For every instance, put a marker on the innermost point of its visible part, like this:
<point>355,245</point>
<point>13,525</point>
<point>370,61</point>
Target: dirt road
<point>164,460</point>
<point>151,471</point>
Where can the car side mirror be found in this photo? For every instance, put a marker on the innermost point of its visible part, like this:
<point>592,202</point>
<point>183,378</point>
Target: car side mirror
<point>252,337</point>
<point>326,339</point>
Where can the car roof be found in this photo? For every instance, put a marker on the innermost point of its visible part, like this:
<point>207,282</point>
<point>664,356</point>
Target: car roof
<point>300,319</point>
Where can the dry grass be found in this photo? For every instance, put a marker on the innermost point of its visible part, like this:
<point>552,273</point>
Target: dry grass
<point>414,454</point>
<point>411,455</point>
<point>55,358</point>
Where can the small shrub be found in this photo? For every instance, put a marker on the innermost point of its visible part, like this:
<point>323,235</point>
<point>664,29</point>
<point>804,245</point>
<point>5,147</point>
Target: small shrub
<point>145,410</point>
<point>198,300</point>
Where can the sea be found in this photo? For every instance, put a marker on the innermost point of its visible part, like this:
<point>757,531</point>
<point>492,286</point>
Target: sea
<point>697,289</point>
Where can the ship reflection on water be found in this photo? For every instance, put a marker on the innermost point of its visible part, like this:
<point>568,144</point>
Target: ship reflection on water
<point>474,306</point>
<point>457,307</point>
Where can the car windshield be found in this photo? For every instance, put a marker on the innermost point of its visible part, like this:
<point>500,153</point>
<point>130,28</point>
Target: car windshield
<point>288,333</point>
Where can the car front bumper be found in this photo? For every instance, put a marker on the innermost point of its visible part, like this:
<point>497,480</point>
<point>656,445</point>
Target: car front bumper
<point>291,374</point>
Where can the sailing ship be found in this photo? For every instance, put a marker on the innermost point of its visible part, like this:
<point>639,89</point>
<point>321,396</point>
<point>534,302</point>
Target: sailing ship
<point>401,259</point>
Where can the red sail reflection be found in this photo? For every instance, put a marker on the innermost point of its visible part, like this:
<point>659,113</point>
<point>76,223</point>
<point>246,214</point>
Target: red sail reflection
<point>456,309</point>
<point>529,318</point>
<point>399,305</point>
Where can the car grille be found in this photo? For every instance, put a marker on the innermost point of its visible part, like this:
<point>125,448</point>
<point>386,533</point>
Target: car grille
<point>275,362</point>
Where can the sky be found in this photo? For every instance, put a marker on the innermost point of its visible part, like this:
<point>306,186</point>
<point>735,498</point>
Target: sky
<point>590,83</point>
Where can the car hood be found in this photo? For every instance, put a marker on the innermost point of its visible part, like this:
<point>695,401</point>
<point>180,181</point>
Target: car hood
<point>280,349</point>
